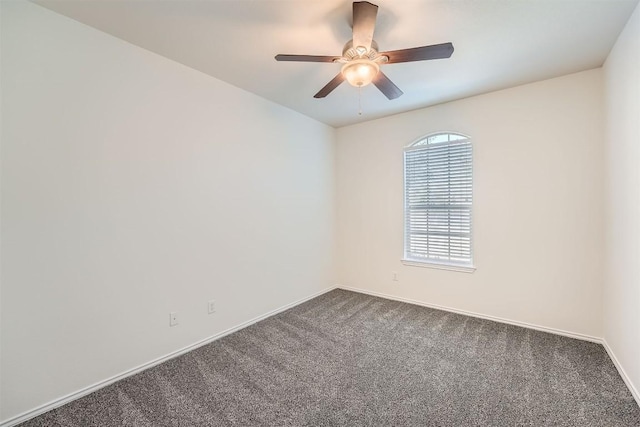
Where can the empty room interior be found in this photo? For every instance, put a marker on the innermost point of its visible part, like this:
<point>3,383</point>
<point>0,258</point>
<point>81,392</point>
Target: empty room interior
<point>287,212</point>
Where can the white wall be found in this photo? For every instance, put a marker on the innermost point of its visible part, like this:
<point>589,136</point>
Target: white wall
<point>622,277</point>
<point>538,204</point>
<point>133,186</point>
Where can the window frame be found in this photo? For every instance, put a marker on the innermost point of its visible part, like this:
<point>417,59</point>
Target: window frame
<point>422,143</point>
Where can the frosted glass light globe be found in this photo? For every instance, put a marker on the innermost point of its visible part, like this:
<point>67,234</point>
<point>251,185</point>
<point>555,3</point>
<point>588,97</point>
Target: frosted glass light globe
<point>360,72</point>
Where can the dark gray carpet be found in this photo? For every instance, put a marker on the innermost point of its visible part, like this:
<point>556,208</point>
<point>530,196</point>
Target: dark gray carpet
<point>349,359</point>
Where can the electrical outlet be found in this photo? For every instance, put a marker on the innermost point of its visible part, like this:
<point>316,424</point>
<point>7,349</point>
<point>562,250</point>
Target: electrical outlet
<point>211,306</point>
<point>394,276</point>
<point>173,318</point>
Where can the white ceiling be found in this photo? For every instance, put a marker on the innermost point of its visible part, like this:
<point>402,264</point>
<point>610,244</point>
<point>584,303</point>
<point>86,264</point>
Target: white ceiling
<point>498,44</point>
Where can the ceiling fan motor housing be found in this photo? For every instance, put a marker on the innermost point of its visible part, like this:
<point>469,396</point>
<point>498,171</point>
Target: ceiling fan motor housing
<point>350,51</point>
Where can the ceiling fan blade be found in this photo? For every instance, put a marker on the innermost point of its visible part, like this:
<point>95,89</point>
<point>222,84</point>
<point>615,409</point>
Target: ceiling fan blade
<point>364,23</point>
<point>330,86</point>
<point>436,51</point>
<point>386,86</point>
<point>306,58</point>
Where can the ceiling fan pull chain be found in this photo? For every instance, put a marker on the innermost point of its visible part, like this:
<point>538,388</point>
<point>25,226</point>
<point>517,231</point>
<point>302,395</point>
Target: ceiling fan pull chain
<point>359,100</point>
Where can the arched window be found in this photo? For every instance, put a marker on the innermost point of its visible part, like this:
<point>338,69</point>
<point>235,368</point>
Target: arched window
<point>438,197</point>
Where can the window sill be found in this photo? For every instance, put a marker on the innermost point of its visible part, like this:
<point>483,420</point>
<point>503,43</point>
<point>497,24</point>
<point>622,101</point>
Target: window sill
<point>450,267</point>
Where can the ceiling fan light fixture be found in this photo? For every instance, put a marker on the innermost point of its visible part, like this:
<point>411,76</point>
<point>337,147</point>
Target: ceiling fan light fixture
<point>362,59</point>
<point>360,72</point>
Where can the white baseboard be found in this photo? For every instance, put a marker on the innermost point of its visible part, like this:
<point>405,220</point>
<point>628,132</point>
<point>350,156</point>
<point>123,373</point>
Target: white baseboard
<point>478,315</point>
<point>622,372</point>
<point>20,418</point>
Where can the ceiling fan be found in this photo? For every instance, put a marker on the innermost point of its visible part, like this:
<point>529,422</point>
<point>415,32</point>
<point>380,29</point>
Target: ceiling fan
<point>361,59</point>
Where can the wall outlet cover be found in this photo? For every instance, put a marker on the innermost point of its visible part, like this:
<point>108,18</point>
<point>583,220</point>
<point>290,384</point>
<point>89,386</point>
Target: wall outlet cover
<point>173,318</point>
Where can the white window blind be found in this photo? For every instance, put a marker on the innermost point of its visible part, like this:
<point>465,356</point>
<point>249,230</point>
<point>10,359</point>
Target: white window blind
<point>438,195</point>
